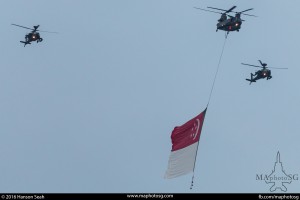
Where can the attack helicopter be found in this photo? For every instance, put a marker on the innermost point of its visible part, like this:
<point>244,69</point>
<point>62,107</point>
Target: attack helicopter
<point>233,23</point>
<point>34,35</point>
<point>262,73</point>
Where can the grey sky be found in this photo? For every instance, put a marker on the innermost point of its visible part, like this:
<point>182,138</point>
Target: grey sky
<point>91,109</point>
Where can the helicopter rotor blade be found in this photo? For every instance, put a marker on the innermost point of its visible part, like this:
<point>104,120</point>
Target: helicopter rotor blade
<point>246,10</point>
<point>251,65</point>
<point>226,11</point>
<point>262,64</point>
<point>35,28</point>
<point>48,31</point>
<point>208,10</point>
<point>22,26</point>
<point>242,12</point>
<point>217,8</point>
<point>249,15</point>
<point>278,67</point>
<point>230,10</point>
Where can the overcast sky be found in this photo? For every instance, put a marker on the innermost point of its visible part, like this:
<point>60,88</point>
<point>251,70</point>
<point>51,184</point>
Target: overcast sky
<point>91,109</point>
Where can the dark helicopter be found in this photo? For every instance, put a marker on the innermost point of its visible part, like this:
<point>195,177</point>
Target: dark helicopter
<point>233,23</point>
<point>34,35</point>
<point>262,73</point>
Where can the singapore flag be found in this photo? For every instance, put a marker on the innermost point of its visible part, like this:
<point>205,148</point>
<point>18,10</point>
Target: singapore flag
<point>185,141</point>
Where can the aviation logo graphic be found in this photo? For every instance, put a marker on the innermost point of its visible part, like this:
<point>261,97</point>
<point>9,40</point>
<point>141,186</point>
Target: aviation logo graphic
<point>278,177</point>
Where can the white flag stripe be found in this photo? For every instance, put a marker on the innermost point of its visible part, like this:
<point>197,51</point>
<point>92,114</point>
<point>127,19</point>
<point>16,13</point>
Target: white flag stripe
<point>181,161</point>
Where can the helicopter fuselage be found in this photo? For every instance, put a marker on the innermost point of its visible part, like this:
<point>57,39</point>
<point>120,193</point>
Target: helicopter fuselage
<point>228,22</point>
<point>231,24</point>
<point>264,73</point>
<point>34,36</point>
<point>260,74</point>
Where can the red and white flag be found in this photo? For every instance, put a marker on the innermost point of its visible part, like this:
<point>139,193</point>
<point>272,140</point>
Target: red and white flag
<point>185,141</point>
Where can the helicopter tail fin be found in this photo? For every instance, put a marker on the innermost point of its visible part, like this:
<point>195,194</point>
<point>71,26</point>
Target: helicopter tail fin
<point>251,80</point>
<point>25,43</point>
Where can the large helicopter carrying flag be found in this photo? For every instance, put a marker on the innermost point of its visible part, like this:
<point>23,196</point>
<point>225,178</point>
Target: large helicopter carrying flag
<point>185,141</point>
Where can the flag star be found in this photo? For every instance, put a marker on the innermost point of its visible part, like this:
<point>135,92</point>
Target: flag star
<point>192,135</point>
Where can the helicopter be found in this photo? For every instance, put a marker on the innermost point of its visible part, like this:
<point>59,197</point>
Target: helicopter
<point>233,23</point>
<point>34,35</point>
<point>262,73</point>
